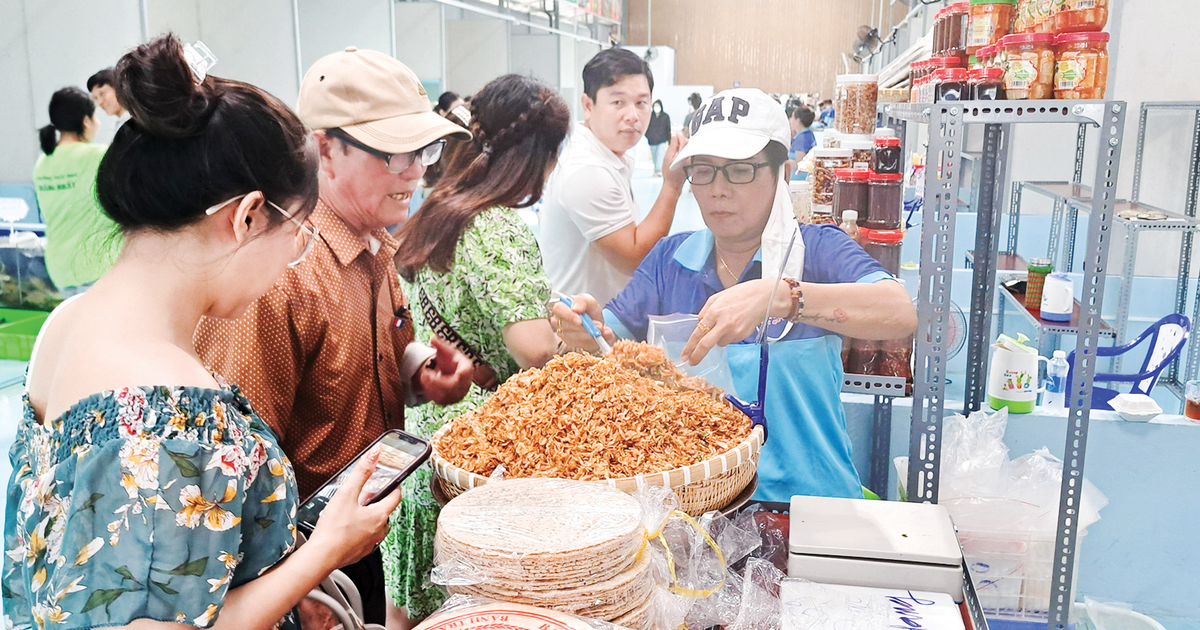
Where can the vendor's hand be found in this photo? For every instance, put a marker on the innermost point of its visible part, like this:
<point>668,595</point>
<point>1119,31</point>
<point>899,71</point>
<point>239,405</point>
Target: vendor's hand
<point>448,379</point>
<point>674,177</point>
<point>347,530</point>
<point>733,314</point>
<point>568,324</point>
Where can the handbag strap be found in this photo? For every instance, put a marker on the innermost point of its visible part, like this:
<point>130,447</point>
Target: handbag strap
<point>485,374</point>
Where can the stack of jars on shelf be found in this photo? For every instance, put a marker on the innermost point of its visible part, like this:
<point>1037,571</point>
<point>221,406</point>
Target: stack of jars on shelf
<point>1015,50</point>
<point>868,183</point>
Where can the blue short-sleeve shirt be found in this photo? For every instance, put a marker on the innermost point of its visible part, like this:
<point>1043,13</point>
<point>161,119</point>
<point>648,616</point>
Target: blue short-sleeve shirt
<point>808,451</point>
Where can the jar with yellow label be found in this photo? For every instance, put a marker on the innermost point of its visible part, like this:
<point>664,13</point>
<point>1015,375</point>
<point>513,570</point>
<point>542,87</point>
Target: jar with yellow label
<point>1082,68</point>
<point>990,21</point>
<point>1030,66</point>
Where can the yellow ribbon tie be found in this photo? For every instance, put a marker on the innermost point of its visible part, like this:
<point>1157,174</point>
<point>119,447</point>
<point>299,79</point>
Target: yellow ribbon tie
<point>687,592</point>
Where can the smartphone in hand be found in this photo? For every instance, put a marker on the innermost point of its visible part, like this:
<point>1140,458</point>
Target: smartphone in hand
<point>399,455</point>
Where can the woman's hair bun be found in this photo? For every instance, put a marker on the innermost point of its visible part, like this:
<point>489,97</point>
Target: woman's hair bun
<point>156,85</point>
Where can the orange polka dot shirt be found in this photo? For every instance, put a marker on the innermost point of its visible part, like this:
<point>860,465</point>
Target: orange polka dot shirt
<point>319,354</point>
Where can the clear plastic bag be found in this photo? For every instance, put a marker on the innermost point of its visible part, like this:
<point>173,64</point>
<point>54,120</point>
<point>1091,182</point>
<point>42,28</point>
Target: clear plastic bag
<point>813,606</point>
<point>671,333</point>
<point>985,491</point>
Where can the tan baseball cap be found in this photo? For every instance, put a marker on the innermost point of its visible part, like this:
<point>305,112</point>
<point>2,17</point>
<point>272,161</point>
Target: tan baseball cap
<point>375,99</point>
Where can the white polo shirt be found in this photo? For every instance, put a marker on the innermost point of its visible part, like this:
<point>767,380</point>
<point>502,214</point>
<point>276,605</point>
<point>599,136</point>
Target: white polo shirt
<point>588,197</point>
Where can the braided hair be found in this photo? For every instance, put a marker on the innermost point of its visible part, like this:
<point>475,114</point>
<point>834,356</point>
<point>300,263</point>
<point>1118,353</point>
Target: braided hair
<point>518,124</point>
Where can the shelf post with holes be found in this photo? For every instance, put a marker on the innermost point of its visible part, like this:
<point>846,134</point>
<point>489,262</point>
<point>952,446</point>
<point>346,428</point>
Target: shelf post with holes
<point>946,122</point>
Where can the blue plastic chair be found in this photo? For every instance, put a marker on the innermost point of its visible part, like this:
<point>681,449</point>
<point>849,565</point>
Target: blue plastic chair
<point>1166,336</point>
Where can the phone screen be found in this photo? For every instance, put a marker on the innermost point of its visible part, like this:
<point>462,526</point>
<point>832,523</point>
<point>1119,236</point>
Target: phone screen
<point>400,454</point>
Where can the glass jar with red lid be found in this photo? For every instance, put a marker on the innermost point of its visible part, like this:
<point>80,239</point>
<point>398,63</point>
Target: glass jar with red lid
<point>883,246</point>
<point>1081,71</point>
<point>887,202</point>
<point>987,84</point>
<point>887,155</point>
<point>850,192</point>
<point>956,21</point>
<point>939,32</point>
<point>984,55</point>
<point>1030,66</point>
<point>1077,16</point>
<point>950,84</point>
<point>990,20</point>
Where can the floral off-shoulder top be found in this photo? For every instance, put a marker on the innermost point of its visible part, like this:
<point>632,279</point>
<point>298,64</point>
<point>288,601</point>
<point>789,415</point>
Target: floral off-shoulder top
<point>145,502</point>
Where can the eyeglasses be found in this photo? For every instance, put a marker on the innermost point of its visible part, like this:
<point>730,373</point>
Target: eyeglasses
<point>399,162</point>
<point>735,173</point>
<point>306,234</point>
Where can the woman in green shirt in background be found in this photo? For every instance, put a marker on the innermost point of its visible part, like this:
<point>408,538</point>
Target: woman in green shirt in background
<point>472,268</point>
<point>81,241</point>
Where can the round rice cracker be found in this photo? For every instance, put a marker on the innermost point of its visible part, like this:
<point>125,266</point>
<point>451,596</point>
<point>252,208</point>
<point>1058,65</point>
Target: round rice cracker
<point>605,600</point>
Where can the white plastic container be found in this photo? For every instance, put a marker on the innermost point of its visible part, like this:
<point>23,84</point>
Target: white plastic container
<point>1135,407</point>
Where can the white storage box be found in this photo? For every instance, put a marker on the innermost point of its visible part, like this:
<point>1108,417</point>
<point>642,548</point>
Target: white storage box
<point>884,544</point>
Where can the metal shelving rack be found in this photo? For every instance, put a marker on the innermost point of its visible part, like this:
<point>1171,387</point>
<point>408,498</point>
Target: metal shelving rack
<point>947,125</point>
<point>885,389</point>
<point>1172,378</point>
<point>1070,198</point>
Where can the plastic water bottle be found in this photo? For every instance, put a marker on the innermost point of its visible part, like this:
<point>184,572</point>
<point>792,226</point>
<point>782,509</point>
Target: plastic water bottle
<point>1056,380</point>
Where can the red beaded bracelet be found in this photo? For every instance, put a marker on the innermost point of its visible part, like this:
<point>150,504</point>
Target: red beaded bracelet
<point>797,300</point>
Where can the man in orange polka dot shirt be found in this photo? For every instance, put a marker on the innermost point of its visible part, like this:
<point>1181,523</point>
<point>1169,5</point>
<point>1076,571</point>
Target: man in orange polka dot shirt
<point>327,357</point>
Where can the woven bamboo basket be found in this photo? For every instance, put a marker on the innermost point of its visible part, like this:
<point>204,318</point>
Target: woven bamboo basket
<point>708,485</point>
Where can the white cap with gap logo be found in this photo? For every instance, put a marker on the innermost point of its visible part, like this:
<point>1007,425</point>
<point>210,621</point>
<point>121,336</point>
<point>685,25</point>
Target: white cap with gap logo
<point>735,124</point>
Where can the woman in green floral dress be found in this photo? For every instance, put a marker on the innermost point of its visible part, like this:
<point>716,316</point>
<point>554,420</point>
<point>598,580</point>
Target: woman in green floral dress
<point>145,489</point>
<point>474,268</point>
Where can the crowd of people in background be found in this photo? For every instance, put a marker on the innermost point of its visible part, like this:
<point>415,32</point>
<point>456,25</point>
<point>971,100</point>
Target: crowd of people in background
<point>256,299</point>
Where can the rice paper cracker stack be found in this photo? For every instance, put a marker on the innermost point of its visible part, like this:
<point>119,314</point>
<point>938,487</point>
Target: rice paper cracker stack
<point>567,545</point>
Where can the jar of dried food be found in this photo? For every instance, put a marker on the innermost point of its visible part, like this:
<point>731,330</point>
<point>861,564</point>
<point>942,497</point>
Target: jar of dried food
<point>863,358</point>
<point>887,154</point>
<point>857,96</point>
<point>1030,73</point>
<point>895,358</point>
<point>950,84</point>
<point>957,23</point>
<point>862,149</point>
<point>987,84</point>
<point>990,21</point>
<point>801,200</point>
<point>831,139</point>
<point>1044,15</point>
<point>884,246</point>
<point>887,201</point>
<point>1082,69</point>
<point>1079,16</point>
<point>850,192</point>
<point>822,214</point>
<point>824,163</point>
<point>1024,18</point>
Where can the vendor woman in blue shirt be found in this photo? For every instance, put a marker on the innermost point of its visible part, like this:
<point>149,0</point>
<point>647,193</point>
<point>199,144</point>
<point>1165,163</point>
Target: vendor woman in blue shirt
<point>727,274</point>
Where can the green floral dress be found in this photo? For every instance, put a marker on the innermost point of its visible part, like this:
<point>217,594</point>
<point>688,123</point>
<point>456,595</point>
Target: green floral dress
<point>497,279</point>
<point>144,502</point>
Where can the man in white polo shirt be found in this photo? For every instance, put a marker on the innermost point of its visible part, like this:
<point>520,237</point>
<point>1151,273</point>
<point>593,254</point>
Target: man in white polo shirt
<point>590,238</point>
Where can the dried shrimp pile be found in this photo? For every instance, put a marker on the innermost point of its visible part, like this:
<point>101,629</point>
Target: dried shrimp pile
<point>583,417</point>
<point>651,362</point>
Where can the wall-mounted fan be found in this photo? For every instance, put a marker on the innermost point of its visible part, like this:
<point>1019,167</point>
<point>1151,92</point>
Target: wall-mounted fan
<point>866,42</point>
